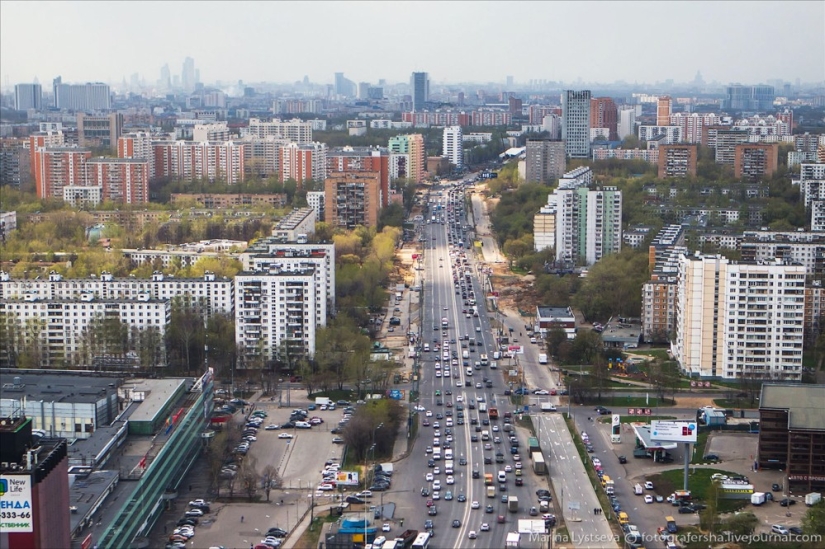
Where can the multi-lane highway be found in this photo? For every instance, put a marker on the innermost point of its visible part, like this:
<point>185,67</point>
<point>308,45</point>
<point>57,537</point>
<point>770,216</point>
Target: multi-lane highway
<point>452,384</point>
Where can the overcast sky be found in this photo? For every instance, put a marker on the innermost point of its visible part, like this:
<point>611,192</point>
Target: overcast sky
<point>606,41</point>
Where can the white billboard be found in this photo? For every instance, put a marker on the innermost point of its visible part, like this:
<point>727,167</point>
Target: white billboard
<point>15,504</point>
<point>673,431</point>
<point>617,420</point>
<point>347,478</point>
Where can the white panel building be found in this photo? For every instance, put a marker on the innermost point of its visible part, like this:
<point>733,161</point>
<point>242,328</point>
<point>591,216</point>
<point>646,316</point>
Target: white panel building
<point>453,145</point>
<point>739,320</point>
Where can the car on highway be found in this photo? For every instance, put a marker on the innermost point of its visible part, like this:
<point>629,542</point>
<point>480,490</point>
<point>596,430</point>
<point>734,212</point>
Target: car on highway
<point>285,435</point>
<point>456,523</point>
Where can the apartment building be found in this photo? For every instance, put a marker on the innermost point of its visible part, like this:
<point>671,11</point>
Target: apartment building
<point>648,155</point>
<point>544,227</point>
<point>28,96</point>
<point>420,90</point>
<point>693,125</point>
<point>738,319</point>
<point>818,215</point>
<point>121,180</point>
<point>269,250</point>
<point>545,162</point>
<point>99,131</point>
<point>82,196</point>
<point>804,248</point>
<point>664,107</point>
<point>362,159</point>
<point>296,225</point>
<point>627,123</point>
<point>814,311</point>
<point>262,155</point>
<point>295,130</point>
<point>89,97</point>
<point>669,134</point>
<point>137,145</point>
<point>603,114</point>
<point>304,161</point>
<point>677,160</point>
<point>587,223</point>
<point>316,201</point>
<point>57,167</point>
<point>408,157</point>
<point>15,162</point>
<point>277,313</point>
<point>190,161</point>
<point>215,131</point>
<point>58,327</point>
<point>352,199</point>
<point>215,294</point>
<point>658,316</point>
<point>749,98</point>
<point>724,139</point>
<point>755,161</point>
<point>211,201</point>
<point>47,138</point>
<point>453,146</point>
<point>575,129</point>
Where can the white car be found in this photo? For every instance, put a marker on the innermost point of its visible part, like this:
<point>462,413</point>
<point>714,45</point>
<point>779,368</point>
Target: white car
<point>475,505</point>
<point>495,428</point>
<point>285,435</point>
<point>420,408</point>
<point>436,496</point>
<point>194,513</point>
<point>450,480</point>
<point>436,484</point>
<point>459,398</point>
<point>385,527</point>
<point>436,470</point>
<point>508,469</point>
<point>272,427</point>
<point>472,534</point>
<point>364,494</point>
<point>648,498</point>
<point>326,487</point>
<point>458,384</point>
<point>429,413</point>
<point>648,485</point>
<point>428,477</point>
<point>198,503</point>
<point>485,527</point>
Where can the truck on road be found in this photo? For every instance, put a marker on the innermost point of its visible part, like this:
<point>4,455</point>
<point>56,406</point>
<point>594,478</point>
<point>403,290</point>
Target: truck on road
<point>512,504</point>
<point>539,466</point>
<point>758,498</point>
<point>813,498</point>
<point>533,445</point>
<point>547,407</point>
<point>543,358</point>
<point>483,359</point>
<point>488,479</point>
<point>513,540</point>
<point>493,412</point>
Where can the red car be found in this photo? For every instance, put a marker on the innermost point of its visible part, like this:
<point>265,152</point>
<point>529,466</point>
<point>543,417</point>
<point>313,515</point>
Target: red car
<point>316,421</point>
<point>429,503</point>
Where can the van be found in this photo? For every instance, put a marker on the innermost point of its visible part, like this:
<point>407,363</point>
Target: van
<point>496,355</point>
<point>469,371</point>
<point>502,476</point>
<point>426,347</point>
<point>623,518</point>
<point>638,490</point>
<point>436,455</point>
<point>302,425</point>
<point>448,453</point>
<point>465,354</point>
<point>491,491</point>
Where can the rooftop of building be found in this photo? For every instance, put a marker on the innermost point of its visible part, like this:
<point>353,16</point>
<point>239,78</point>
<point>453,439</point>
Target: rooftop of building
<point>803,402</point>
<point>67,387</point>
<point>554,312</point>
<point>85,491</point>
<point>107,277</point>
<point>153,394</point>
<point>294,218</point>
<point>622,330</point>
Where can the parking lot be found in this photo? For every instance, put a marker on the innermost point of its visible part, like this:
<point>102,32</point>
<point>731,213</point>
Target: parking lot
<point>298,460</point>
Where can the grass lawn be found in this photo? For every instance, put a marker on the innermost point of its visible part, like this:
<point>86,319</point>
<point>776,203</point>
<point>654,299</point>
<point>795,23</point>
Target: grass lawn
<point>699,484</point>
<point>735,403</point>
<point>701,442</point>
<point>618,401</point>
<point>312,535</point>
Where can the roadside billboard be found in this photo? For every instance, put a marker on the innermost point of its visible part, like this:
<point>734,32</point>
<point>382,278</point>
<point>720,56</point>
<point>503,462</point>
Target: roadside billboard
<point>16,503</point>
<point>347,478</point>
<point>673,431</point>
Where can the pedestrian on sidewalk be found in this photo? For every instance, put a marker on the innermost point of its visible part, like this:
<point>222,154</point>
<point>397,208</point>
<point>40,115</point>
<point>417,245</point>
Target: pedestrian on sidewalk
<point>241,518</point>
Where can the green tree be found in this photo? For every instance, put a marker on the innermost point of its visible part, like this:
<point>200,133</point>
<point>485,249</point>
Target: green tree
<point>813,523</point>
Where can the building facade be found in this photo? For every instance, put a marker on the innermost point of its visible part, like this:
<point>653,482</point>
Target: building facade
<point>603,114</point>
<point>739,320</point>
<point>28,96</point>
<point>575,129</point>
<point>352,199</point>
<point>296,130</point>
<point>366,159</point>
<point>304,162</point>
<point>420,90</point>
<point>58,167</point>
<point>453,146</point>
<point>122,180</point>
<point>89,97</point>
<point>99,131</point>
<point>755,161</point>
<point>190,161</point>
<point>678,160</point>
<point>545,160</point>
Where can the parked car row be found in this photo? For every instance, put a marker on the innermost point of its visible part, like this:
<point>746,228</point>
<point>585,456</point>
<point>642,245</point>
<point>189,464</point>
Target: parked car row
<point>185,527</point>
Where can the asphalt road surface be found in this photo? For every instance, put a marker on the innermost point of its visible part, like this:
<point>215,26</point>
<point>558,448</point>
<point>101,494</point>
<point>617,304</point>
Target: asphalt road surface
<point>442,299</point>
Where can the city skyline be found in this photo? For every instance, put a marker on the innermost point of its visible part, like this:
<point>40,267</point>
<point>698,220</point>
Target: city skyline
<point>662,41</point>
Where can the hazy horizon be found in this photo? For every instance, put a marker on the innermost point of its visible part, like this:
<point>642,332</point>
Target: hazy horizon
<point>635,42</point>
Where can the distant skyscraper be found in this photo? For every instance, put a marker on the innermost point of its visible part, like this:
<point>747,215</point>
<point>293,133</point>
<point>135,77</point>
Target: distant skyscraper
<point>344,86</point>
<point>187,76</point>
<point>28,96</point>
<point>509,81</point>
<point>453,146</point>
<point>420,90</point>
<point>165,82</point>
<point>603,114</point>
<point>749,98</point>
<point>575,129</point>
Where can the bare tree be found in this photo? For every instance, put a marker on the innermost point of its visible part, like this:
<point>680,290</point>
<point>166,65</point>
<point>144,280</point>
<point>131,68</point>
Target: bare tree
<point>270,479</point>
<point>249,478</point>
